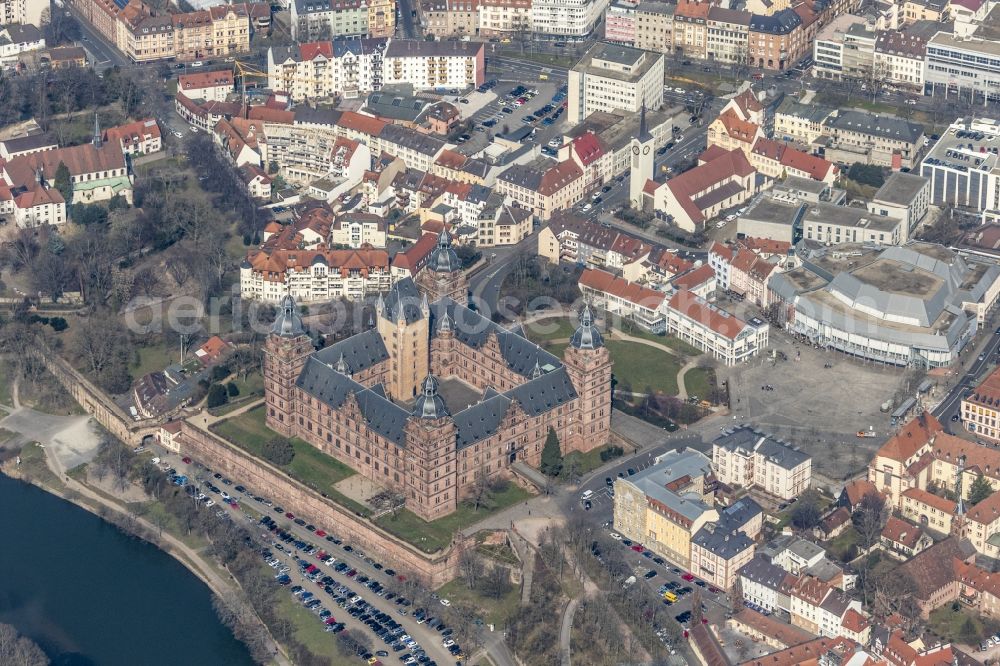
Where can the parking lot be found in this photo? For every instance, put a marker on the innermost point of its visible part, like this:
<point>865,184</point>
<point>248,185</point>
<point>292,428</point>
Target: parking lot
<point>298,552</point>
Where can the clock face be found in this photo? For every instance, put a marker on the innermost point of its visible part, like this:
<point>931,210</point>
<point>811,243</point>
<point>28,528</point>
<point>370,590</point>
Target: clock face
<point>635,150</point>
<point>645,150</point>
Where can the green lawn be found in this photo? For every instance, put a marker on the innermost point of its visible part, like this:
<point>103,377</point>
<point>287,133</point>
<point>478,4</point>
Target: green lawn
<point>436,535</point>
<point>642,367</point>
<point>964,626</point>
<point>698,382</point>
<point>5,374</point>
<point>492,611</point>
<point>308,628</point>
<point>153,358</point>
<point>554,328</point>
<point>586,462</point>
<point>310,465</point>
<point>840,547</point>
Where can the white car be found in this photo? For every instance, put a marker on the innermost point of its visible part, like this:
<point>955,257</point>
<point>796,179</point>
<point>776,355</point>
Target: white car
<point>197,63</point>
<point>445,602</point>
<point>616,536</point>
<point>587,207</point>
<point>679,90</point>
<point>178,134</point>
<point>447,642</point>
<point>555,143</point>
<point>730,217</point>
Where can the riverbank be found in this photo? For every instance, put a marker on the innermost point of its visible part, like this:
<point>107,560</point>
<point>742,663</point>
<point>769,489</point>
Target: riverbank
<point>44,472</point>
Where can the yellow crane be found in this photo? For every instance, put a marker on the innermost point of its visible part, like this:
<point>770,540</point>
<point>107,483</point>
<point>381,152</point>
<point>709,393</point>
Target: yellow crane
<point>241,72</point>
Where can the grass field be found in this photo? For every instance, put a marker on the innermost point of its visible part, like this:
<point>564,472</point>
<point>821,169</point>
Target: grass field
<point>309,630</point>
<point>840,546</point>
<point>310,465</point>
<point>492,611</point>
<point>586,462</point>
<point>6,373</point>
<point>152,359</point>
<point>643,367</point>
<point>435,535</point>
<point>698,382</point>
<point>962,626</point>
<point>555,328</point>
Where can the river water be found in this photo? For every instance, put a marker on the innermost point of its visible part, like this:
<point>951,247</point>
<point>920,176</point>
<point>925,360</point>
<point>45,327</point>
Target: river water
<point>90,595</point>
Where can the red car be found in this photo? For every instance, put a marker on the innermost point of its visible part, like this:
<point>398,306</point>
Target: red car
<point>234,504</point>
<point>320,555</point>
<point>637,548</point>
<point>352,573</point>
<point>186,461</point>
<point>688,577</point>
<point>320,533</point>
<point>289,515</point>
<point>330,620</point>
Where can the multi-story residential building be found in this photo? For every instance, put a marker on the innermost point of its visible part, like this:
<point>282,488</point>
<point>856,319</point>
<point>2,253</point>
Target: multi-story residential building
<point>504,18</point>
<point>22,11</point>
<point>833,225</point>
<point>857,136</point>
<point>16,39</point>
<point>746,458</point>
<point>719,550</point>
<point>425,64</point>
<point>417,150</point>
<point>218,31</point>
<point>766,585</point>
<point>343,67</point>
<point>899,58</point>
<point>314,275</point>
<point>964,168</point>
<point>315,20</point>
<point>777,40</point>
<point>923,10</point>
<point>713,330</point>
<point>654,26</point>
<point>843,48</point>
<point>622,298</point>
<point>666,504</point>
<point>981,408</point>
<point>700,194</point>
<point>620,22</point>
<point>145,38</point>
<point>728,35</point>
<point>794,121</point>
<point>566,18</point>
<point>779,160</point>
<point>355,230</point>
<point>447,18</point>
<point>141,137</point>
<point>905,197</point>
<point>211,86</point>
<point>576,240</point>
<point>691,28</point>
<point>612,78</point>
<point>542,187</point>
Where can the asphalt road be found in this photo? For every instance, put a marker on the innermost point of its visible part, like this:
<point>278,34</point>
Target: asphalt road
<point>102,54</point>
<point>406,20</point>
<point>952,403</point>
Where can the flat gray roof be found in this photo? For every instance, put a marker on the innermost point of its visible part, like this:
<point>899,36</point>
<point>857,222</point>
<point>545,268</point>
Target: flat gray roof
<point>901,188</point>
<point>848,216</point>
<point>621,55</point>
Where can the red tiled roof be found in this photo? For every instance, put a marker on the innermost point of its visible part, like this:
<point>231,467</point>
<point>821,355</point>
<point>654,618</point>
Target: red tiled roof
<point>805,654</point>
<point>415,256</point>
<point>712,152</point>
<point>134,132</point>
<point>914,435</point>
<point>692,9</point>
<point>855,621</point>
<point>310,50</point>
<point>857,489</point>
<point>693,182</point>
<point>607,283</point>
<point>737,128</point>
<point>361,123</point>
<point>213,348</point>
<point>214,79</point>
<point>783,633</point>
<point>748,102</point>
<point>901,532</point>
<point>930,499</point>
<point>588,148</point>
<point>275,264</point>
<point>650,187</point>
<point>723,251</point>
<point>559,177</point>
<point>766,245</point>
<point>694,279</point>
<point>700,311</point>
<point>986,512</point>
<point>271,115</point>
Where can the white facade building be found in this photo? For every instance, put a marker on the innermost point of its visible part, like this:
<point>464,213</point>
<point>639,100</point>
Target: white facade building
<point>611,77</point>
<point>570,18</point>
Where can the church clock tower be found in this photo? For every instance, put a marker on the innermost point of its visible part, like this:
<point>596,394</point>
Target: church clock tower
<point>642,161</point>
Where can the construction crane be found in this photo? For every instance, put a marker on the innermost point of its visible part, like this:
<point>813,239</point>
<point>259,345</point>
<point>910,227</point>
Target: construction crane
<point>241,72</point>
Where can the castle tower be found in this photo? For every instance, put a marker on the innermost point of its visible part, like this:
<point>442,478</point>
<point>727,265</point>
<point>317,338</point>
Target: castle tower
<point>404,328</point>
<point>285,352</point>
<point>443,346</point>
<point>443,275</point>
<point>432,490</point>
<point>589,366</point>
<point>642,161</point>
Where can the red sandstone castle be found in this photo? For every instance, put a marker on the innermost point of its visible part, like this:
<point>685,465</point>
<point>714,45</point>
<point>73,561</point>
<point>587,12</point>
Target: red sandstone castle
<point>372,400</point>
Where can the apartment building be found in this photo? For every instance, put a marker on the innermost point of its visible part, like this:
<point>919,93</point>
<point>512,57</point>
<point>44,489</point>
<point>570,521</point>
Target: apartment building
<point>654,26</point>
<point>869,138</point>
<point>621,298</point>
<point>713,330</point>
<point>719,550</point>
<point>210,86</point>
<point>969,65</point>
<point>905,197</point>
<point>691,28</point>
<point>794,121</point>
<point>449,18</point>
<point>140,137</point>
<point>566,18</point>
<point>314,20</point>
<point>776,40</point>
<point>981,408</point>
<point>666,504</point>
<point>728,35</point>
<point>314,275</point>
<point>899,58</point>
<point>504,18</point>
<point>424,64</point>
<point>612,78</point>
<point>542,187</point>
<point>746,458</point>
<point>844,47</point>
<point>22,11</point>
<point>619,22</point>
<point>16,39</point>
<point>343,67</point>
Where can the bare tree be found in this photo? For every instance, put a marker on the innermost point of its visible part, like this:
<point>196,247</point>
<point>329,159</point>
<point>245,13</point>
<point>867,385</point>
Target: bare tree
<point>471,567</point>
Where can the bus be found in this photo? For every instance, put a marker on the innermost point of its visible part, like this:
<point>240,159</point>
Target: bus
<point>670,596</point>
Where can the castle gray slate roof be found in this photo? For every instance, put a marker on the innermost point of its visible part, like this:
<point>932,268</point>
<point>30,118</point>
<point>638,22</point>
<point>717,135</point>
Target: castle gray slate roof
<point>360,351</point>
<point>473,329</point>
<point>887,127</point>
<point>288,323</point>
<point>403,294</point>
<point>480,421</point>
<point>429,405</point>
<point>382,415</point>
<point>545,392</point>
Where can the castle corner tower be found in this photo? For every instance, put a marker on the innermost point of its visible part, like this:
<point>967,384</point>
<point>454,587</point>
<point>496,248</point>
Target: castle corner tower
<point>430,443</point>
<point>589,366</point>
<point>443,275</point>
<point>285,352</point>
